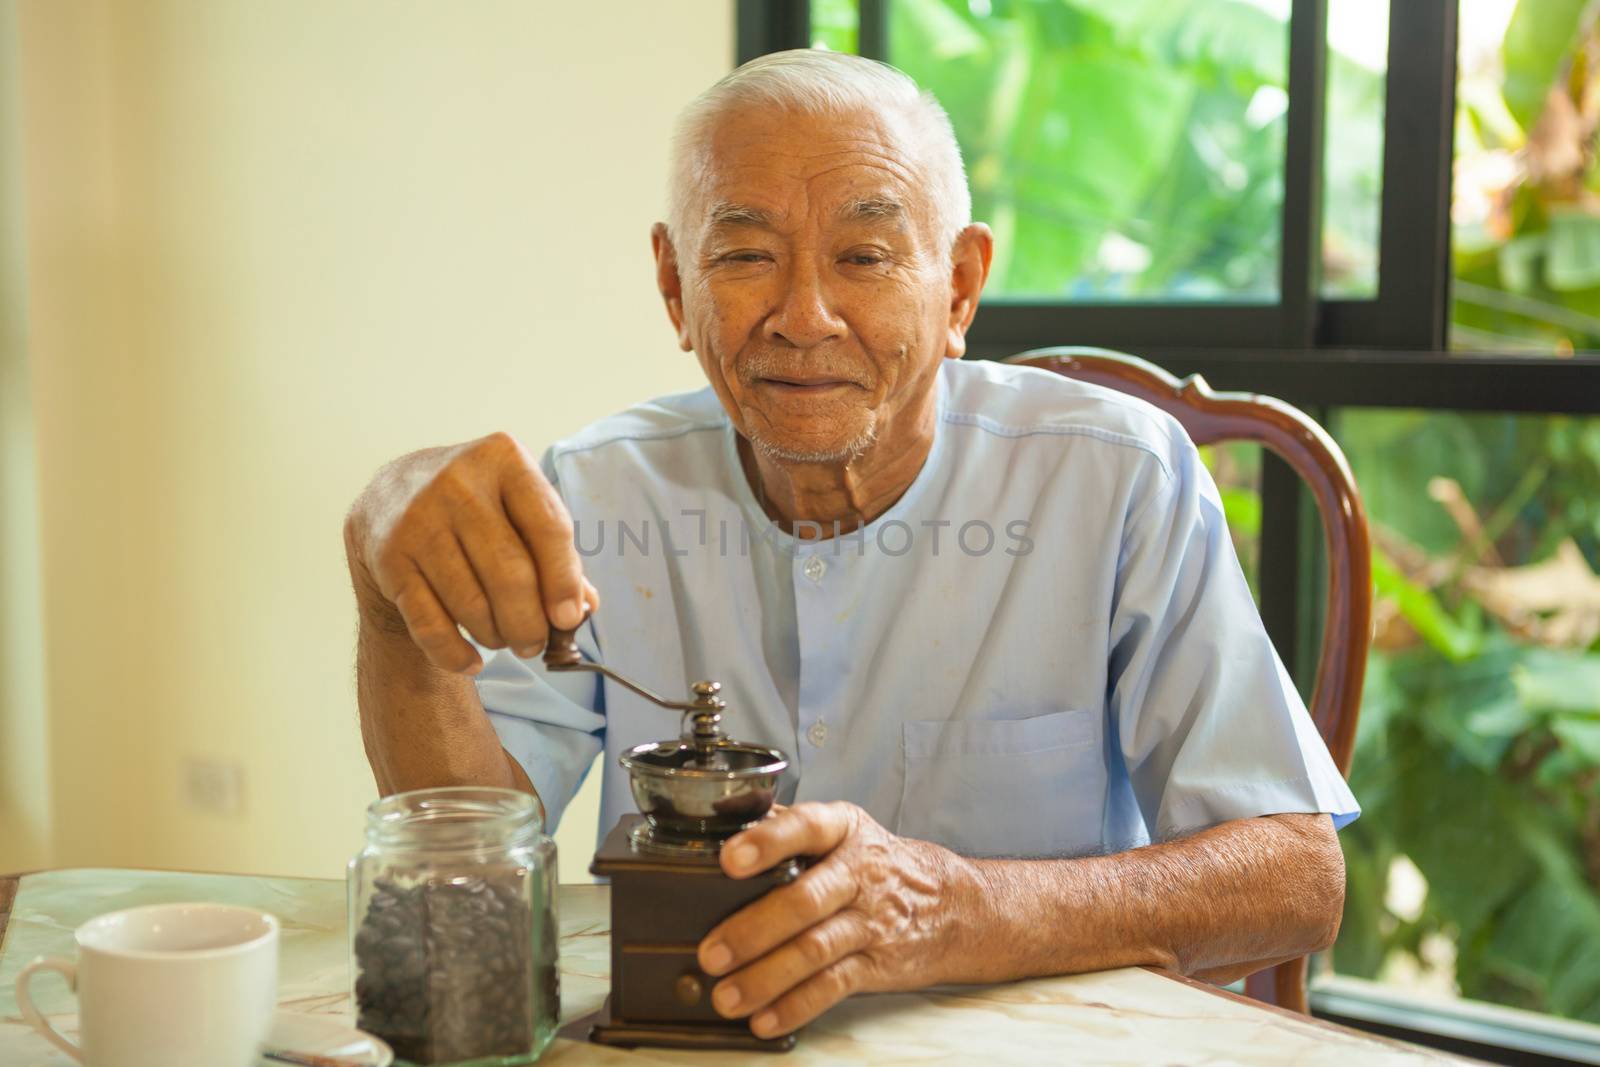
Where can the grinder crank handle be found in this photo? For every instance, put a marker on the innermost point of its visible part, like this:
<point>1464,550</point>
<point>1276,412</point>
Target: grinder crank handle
<point>561,654</point>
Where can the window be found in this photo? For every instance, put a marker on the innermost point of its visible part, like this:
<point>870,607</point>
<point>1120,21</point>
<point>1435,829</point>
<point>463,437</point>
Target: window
<point>1120,151</point>
<point>1527,225</point>
<point>1352,169</point>
<point>1411,254</point>
<point>1474,866</point>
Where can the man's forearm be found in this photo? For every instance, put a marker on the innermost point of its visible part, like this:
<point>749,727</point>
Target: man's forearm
<point>1218,904</point>
<point>421,725</point>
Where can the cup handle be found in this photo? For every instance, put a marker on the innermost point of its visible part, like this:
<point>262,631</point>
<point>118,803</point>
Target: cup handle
<point>31,1014</point>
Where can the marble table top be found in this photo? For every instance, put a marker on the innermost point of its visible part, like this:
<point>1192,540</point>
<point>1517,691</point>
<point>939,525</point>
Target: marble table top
<point>1132,1016</point>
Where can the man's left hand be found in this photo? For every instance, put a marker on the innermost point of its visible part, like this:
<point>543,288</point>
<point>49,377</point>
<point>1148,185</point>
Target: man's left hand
<point>873,912</point>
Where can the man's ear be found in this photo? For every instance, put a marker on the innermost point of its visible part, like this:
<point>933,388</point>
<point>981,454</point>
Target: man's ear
<point>668,281</point>
<point>969,269</point>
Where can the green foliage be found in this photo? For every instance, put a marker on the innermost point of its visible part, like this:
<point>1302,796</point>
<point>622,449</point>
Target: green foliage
<point>1084,121</point>
<point>1478,754</point>
<point>1528,251</point>
<point>1449,774</point>
<point>1455,642</point>
<point>1537,40</point>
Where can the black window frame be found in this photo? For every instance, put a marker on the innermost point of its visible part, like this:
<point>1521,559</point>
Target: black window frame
<point>1389,351</point>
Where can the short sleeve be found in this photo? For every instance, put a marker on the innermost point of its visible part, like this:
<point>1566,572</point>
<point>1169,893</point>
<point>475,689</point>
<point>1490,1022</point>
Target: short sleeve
<point>550,723</point>
<point>1208,721</point>
<point>553,724</point>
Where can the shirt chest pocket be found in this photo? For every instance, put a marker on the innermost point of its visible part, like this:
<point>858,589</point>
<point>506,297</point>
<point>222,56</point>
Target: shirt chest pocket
<point>1019,787</point>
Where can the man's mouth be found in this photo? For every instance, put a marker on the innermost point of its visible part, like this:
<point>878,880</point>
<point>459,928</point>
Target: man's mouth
<point>803,383</point>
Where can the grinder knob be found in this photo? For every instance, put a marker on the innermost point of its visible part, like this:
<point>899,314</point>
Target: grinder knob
<point>561,649</point>
<point>689,990</point>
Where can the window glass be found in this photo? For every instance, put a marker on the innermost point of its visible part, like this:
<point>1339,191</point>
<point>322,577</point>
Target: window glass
<point>1236,468</point>
<point>1525,210</point>
<point>1474,869</point>
<point>1352,160</point>
<point>1121,149</point>
<point>835,25</point>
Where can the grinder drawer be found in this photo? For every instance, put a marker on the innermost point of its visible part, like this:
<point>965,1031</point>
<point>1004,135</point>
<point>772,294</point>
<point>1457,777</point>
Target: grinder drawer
<point>648,907</point>
<point>661,983</point>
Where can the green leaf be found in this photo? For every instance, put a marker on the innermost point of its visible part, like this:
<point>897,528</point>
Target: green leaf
<point>1457,825</point>
<point>1432,623</point>
<point>1381,700</point>
<point>1589,442</point>
<point>1574,913</point>
<point>1572,260</point>
<point>1478,734</point>
<point>1395,453</point>
<point>1227,34</point>
<point>1582,735</point>
<point>1504,717</point>
<point>1538,39</point>
<point>1560,768</point>
<point>931,31</point>
<point>1477,723</point>
<point>1526,939</point>
<point>1519,260</point>
<point>1555,680</point>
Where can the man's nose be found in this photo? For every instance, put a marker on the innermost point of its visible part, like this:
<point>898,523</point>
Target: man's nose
<point>805,316</point>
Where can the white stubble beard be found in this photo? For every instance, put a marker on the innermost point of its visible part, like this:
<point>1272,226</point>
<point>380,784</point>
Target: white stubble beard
<point>844,455</point>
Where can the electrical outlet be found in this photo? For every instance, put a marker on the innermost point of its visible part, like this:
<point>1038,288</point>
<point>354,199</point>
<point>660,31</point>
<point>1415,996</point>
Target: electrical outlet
<point>214,786</point>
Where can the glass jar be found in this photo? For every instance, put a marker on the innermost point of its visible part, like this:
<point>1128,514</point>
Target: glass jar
<point>453,927</point>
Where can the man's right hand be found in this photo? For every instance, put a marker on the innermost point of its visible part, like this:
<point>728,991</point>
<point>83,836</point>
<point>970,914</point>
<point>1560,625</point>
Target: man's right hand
<point>471,534</point>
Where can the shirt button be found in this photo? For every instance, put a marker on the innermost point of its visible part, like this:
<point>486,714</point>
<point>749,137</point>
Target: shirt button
<point>818,734</point>
<point>814,568</point>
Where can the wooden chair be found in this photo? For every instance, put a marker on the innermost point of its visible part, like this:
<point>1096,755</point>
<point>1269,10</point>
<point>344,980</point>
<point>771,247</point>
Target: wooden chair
<point>1210,418</point>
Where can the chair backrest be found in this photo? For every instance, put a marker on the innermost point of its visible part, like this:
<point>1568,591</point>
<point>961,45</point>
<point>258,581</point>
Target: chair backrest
<point>1211,417</point>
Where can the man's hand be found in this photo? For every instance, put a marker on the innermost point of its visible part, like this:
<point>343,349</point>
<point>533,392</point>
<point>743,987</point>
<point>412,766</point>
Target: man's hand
<point>874,913</point>
<point>878,912</point>
<point>471,534</point>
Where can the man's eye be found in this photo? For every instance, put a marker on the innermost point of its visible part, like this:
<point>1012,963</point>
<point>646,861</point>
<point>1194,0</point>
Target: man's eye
<point>745,257</point>
<point>864,259</point>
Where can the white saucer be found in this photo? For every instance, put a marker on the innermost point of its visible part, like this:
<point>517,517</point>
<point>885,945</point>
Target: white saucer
<point>325,1035</point>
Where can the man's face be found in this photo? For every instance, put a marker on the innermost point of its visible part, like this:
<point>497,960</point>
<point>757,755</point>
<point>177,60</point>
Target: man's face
<point>815,290</point>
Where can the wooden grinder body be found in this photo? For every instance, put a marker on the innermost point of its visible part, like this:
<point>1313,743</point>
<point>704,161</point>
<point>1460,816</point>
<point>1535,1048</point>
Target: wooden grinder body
<point>662,906</point>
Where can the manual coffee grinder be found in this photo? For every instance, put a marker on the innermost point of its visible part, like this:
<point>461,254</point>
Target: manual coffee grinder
<point>667,887</point>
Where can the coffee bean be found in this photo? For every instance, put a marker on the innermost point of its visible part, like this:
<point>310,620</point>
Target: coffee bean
<point>448,968</point>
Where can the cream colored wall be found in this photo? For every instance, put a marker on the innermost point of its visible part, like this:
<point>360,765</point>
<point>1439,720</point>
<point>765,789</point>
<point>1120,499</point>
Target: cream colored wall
<point>271,246</point>
<point>24,737</point>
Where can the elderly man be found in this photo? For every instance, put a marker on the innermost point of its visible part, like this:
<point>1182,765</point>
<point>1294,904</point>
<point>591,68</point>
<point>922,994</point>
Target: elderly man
<point>994,614</point>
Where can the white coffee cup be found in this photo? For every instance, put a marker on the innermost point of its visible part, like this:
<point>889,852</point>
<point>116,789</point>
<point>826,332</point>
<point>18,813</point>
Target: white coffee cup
<point>170,985</point>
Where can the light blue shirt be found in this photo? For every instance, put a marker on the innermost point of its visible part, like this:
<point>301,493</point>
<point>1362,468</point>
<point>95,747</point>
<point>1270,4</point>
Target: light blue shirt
<point>1046,647</point>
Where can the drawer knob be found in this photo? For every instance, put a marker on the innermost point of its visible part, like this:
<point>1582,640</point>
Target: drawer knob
<point>689,989</point>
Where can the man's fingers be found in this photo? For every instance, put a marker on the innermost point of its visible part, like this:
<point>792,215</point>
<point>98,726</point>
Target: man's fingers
<point>456,586</point>
<point>785,968</point>
<point>782,914</point>
<point>803,830</point>
<point>541,519</point>
<point>813,997</point>
<point>504,570</point>
<point>491,544</point>
<point>432,630</point>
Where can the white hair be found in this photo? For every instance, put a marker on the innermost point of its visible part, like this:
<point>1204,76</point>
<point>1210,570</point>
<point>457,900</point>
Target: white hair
<point>818,82</point>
